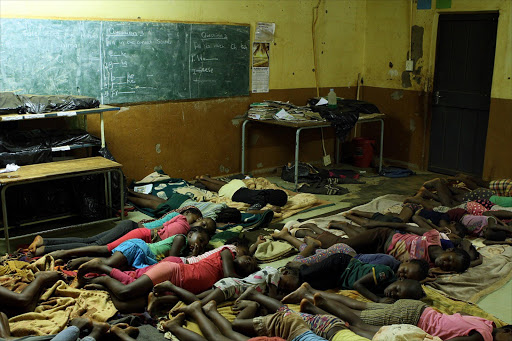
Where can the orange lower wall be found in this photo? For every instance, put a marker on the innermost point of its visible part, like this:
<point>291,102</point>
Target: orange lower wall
<point>404,125</point>
<point>189,138</point>
<point>498,150</point>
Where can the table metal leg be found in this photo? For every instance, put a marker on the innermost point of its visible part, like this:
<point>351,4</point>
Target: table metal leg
<point>4,216</point>
<point>296,177</point>
<point>243,146</point>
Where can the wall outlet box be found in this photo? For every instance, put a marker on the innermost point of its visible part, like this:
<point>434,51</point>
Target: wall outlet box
<point>327,160</point>
<point>409,65</point>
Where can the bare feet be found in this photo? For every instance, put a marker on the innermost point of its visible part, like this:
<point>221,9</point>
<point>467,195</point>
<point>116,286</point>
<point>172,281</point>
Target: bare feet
<point>99,329</point>
<point>160,305</point>
<point>93,265</point>
<point>312,241</point>
<point>75,263</point>
<point>338,225</point>
<point>319,299</point>
<point>163,288</point>
<point>177,321</point>
<point>247,294</point>
<point>281,234</point>
<point>188,309</point>
<point>210,306</point>
<point>121,330</point>
<point>304,291</point>
<point>81,323</point>
<point>40,251</point>
<point>241,305</point>
<point>38,241</point>
<point>5,331</point>
<point>306,306</point>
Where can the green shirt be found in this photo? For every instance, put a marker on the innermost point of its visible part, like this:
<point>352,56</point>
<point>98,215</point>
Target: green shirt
<point>383,275</point>
<point>161,248</point>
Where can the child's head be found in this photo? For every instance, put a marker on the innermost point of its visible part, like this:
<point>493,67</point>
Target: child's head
<point>198,238</point>
<point>458,228</point>
<point>192,214</point>
<point>453,260</point>
<point>207,223</point>
<point>404,288</point>
<point>241,243</point>
<point>416,269</point>
<point>503,333</point>
<point>288,280</point>
<point>245,265</point>
<point>229,215</point>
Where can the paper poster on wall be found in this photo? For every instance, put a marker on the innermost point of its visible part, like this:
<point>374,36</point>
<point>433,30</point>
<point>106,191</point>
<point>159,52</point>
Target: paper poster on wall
<point>264,32</point>
<point>260,67</point>
<point>260,76</point>
<point>424,4</point>
<point>260,56</point>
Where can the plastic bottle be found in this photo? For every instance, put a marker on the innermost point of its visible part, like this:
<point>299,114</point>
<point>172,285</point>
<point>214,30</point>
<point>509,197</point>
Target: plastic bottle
<point>331,99</point>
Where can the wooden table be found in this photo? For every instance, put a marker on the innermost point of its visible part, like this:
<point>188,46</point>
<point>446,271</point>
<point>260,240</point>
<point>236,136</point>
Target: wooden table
<point>302,125</point>
<point>60,170</point>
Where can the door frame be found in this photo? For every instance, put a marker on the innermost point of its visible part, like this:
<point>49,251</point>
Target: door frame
<point>431,72</point>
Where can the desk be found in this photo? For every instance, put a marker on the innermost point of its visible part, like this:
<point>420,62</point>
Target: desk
<point>299,126</point>
<point>60,170</point>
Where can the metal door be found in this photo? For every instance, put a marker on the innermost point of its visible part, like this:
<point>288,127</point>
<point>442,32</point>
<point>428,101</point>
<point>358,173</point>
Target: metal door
<point>462,91</point>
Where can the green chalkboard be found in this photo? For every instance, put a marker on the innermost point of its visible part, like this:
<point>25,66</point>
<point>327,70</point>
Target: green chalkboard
<point>124,61</point>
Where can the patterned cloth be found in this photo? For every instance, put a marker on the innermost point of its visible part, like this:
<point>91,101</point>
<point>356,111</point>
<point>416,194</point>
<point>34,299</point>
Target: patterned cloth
<point>480,193</point>
<point>403,332</point>
<point>321,254</point>
<point>319,324</point>
<point>260,280</point>
<point>401,312</point>
<point>287,326</point>
<point>502,187</point>
<point>478,207</point>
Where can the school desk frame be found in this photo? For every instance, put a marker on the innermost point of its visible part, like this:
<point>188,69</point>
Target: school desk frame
<point>300,126</point>
<point>56,171</point>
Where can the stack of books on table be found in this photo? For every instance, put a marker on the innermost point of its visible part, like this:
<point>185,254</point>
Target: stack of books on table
<point>278,110</point>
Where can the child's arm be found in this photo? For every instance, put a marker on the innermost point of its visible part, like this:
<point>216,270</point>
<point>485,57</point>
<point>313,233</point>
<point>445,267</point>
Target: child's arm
<point>177,244</point>
<point>423,225</point>
<point>228,266</point>
<point>375,223</point>
<point>476,336</point>
<point>362,286</point>
<point>494,242</point>
<point>477,261</point>
<point>253,247</point>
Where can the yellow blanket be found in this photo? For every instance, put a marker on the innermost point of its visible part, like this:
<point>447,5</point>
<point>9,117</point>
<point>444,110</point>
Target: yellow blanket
<point>57,305</point>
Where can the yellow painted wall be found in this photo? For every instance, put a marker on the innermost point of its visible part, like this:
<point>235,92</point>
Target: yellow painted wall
<point>339,31</point>
<point>387,40</point>
<point>203,136</point>
<point>353,36</point>
<point>408,106</point>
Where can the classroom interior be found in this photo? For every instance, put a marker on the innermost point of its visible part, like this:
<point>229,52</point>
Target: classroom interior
<point>360,50</point>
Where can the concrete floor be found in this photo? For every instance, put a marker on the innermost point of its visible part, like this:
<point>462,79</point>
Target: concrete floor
<point>498,303</point>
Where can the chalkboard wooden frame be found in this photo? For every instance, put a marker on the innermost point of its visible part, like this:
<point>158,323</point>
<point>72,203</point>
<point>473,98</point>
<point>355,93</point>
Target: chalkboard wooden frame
<point>124,61</point>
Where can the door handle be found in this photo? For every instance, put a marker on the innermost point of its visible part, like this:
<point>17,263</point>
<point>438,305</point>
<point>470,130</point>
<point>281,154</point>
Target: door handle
<point>437,97</point>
